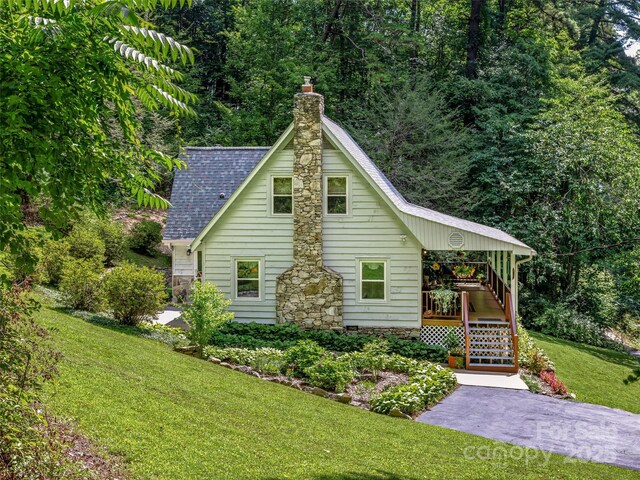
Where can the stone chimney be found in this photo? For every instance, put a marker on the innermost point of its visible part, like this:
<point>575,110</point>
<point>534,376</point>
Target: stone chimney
<point>308,293</point>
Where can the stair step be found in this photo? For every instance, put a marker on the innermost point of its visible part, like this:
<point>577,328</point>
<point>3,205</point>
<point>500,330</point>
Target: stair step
<point>488,350</point>
<point>505,343</point>
<point>487,357</point>
<point>490,335</point>
<point>489,322</point>
<point>505,365</point>
<point>481,329</point>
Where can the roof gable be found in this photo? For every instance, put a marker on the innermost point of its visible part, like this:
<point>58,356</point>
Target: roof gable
<point>197,193</point>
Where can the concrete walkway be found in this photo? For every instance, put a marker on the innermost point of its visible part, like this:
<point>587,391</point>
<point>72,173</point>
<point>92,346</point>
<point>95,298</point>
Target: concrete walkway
<point>490,379</point>
<point>581,430</point>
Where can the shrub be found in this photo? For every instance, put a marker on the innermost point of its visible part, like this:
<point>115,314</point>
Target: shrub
<point>145,237</point>
<point>28,449</point>
<point>330,373</point>
<point>255,335</point>
<point>134,293</point>
<point>428,383</point>
<point>530,355</point>
<point>373,357</point>
<point>303,355</point>
<point>112,234</point>
<point>563,321</point>
<point>81,284</point>
<point>51,264</point>
<point>84,242</point>
<point>554,383</point>
<point>206,312</point>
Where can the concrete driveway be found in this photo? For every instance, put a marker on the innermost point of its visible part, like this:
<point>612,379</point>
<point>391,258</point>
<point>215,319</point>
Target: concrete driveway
<point>581,430</point>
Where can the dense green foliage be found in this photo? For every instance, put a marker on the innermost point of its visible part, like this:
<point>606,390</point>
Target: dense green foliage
<point>145,237</point>
<point>134,293</point>
<point>74,79</point>
<point>205,312</point>
<point>150,396</point>
<point>81,284</point>
<point>255,335</point>
<point>519,114</point>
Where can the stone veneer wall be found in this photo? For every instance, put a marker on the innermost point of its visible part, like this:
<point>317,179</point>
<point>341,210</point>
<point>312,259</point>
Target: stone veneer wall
<point>308,294</point>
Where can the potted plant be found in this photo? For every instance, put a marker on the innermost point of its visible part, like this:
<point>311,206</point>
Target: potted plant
<point>456,354</point>
<point>463,271</point>
<point>444,299</point>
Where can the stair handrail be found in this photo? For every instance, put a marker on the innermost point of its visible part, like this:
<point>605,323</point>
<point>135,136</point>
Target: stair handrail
<point>511,318</point>
<point>465,321</point>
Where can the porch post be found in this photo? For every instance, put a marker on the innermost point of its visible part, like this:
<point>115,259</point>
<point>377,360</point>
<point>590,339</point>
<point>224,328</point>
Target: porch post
<point>504,267</point>
<point>514,283</point>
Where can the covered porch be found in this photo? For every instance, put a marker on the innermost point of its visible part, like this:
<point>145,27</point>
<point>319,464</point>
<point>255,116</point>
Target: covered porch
<point>471,294</point>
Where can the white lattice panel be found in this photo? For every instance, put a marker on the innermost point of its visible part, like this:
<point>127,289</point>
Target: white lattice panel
<point>435,334</point>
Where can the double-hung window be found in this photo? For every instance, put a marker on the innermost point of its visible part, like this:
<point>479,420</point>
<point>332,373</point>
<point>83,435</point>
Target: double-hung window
<point>248,277</point>
<point>336,194</point>
<point>373,280</point>
<point>282,195</point>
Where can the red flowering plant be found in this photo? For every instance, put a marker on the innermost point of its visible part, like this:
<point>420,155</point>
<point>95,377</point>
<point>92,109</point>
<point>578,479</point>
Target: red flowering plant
<point>554,383</point>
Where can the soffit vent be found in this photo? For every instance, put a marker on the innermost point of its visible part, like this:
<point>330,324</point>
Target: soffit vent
<point>456,240</point>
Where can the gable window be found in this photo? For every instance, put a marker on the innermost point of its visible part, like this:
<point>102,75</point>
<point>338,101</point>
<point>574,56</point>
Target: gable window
<point>282,196</point>
<point>247,278</point>
<point>336,195</point>
<point>373,280</point>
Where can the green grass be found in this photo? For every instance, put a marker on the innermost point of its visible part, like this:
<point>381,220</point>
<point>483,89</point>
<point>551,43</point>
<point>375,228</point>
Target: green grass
<point>595,375</point>
<point>159,261</point>
<point>176,417</point>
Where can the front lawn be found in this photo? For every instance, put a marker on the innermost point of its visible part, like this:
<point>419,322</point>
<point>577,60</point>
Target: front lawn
<point>177,417</point>
<point>595,375</point>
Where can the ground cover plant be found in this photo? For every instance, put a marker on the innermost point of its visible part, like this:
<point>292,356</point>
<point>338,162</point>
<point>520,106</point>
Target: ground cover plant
<point>595,374</point>
<point>254,335</point>
<point>234,426</point>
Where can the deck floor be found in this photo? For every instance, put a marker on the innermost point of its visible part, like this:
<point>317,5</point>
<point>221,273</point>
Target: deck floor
<point>484,305</point>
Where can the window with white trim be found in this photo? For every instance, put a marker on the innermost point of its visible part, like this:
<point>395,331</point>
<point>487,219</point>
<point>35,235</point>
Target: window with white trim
<point>281,195</point>
<point>247,278</point>
<point>373,280</point>
<point>336,194</point>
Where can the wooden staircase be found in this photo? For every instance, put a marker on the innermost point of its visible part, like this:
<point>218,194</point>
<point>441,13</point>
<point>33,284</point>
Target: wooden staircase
<point>491,344</point>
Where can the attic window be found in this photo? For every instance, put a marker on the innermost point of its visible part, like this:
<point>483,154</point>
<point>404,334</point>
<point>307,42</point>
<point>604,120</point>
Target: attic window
<point>282,196</point>
<point>456,240</point>
<point>336,195</point>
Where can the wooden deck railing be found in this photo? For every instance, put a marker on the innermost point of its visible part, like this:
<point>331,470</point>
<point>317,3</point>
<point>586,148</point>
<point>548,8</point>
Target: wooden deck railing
<point>464,298</point>
<point>431,309</point>
<point>510,316</point>
<point>497,285</point>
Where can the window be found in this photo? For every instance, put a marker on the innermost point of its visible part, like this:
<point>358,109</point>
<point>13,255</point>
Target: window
<point>373,280</point>
<point>199,264</point>
<point>282,193</point>
<point>247,278</point>
<point>336,193</point>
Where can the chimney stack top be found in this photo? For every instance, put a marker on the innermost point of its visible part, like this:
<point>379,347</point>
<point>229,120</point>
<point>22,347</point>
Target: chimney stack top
<point>307,87</point>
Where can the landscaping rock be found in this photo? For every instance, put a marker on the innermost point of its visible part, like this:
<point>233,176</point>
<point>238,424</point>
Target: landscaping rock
<point>256,374</point>
<point>189,350</point>
<point>319,392</point>
<point>226,365</point>
<point>215,360</point>
<point>398,414</point>
<point>344,398</point>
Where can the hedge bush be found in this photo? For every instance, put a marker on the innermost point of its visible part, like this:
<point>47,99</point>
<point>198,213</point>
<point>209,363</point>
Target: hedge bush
<point>114,238</point>
<point>330,373</point>
<point>51,264</point>
<point>134,293</point>
<point>81,284</point>
<point>206,312</point>
<point>145,237</point>
<point>255,335</point>
<point>85,242</point>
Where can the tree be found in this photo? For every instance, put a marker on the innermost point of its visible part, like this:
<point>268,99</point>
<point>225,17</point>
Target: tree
<point>420,145</point>
<point>70,77</point>
<point>206,312</point>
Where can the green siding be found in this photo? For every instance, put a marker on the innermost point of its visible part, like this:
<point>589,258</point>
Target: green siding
<point>370,230</point>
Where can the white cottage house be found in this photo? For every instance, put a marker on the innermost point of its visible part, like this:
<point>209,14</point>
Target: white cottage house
<point>310,231</point>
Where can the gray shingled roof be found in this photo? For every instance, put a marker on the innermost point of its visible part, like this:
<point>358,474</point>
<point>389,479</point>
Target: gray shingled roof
<point>195,197</point>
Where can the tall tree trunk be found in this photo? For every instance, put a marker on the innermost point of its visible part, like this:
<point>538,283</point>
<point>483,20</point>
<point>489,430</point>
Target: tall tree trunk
<point>502,13</point>
<point>474,37</point>
<point>593,35</point>
<point>414,26</point>
<point>328,24</point>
